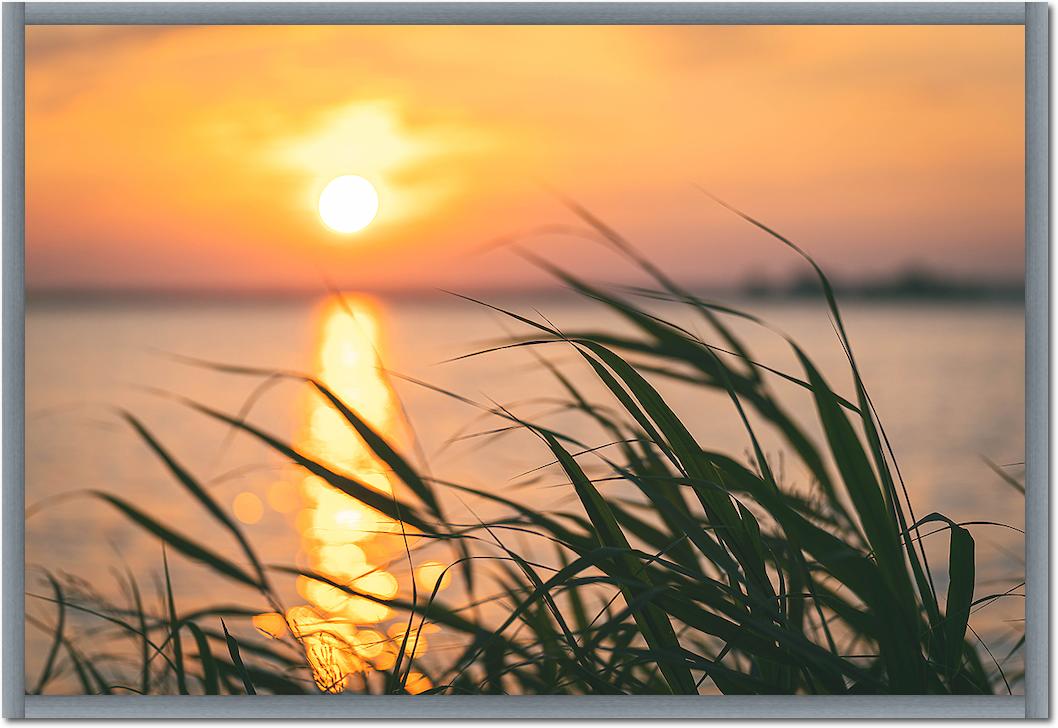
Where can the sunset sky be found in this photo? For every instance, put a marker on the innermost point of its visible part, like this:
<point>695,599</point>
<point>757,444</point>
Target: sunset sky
<point>192,158</point>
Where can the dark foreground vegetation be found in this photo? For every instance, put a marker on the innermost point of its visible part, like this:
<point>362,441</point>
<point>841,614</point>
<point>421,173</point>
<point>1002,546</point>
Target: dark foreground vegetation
<point>714,577</point>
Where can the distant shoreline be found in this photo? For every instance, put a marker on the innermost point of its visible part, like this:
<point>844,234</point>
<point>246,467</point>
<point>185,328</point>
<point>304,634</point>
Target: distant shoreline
<point>912,285</point>
<point>99,302</point>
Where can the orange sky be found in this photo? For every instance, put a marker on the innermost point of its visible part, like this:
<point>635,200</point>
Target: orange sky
<point>192,157</point>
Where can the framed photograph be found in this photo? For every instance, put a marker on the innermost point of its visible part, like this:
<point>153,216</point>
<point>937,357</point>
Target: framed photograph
<point>463,360</point>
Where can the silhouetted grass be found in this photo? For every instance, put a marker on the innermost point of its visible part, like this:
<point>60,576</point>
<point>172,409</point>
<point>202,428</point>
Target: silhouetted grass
<point>715,577</point>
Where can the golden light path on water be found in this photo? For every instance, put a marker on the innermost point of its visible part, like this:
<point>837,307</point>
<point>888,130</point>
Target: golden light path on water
<point>341,538</point>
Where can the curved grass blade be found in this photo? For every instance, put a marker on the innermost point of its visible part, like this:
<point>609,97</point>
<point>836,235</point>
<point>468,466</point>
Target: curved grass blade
<point>390,507</point>
<point>210,674</point>
<point>384,451</point>
<point>57,641</point>
<point>233,650</point>
<point>174,629</point>
<point>181,543</point>
<point>960,593</point>
<point>657,630</point>
<point>199,493</point>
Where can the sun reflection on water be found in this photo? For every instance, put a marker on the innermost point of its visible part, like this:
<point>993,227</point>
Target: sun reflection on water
<point>342,539</point>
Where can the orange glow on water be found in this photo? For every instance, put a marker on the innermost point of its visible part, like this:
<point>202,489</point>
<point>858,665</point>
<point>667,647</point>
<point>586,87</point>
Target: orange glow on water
<point>342,539</point>
<point>247,507</point>
<point>427,574</point>
<point>271,624</point>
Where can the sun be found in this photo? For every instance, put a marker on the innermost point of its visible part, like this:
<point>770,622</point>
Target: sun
<point>348,204</point>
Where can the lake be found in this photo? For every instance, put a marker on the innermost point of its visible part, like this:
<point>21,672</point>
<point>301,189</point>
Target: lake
<point>947,380</point>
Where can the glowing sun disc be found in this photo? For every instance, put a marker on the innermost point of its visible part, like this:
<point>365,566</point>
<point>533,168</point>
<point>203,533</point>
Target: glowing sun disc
<point>348,204</point>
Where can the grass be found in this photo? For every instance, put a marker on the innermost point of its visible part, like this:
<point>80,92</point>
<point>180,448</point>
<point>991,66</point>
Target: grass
<point>714,577</point>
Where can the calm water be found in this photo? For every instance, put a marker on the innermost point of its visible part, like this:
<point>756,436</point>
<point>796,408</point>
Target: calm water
<point>947,380</point>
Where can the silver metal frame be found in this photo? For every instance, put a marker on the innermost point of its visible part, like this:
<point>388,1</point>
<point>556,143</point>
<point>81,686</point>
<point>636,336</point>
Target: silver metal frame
<point>1033,15</point>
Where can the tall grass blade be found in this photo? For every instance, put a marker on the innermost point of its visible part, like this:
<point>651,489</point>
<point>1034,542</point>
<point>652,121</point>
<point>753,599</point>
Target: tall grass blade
<point>200,494</point>
<point>174,629</point>
<point>236,659</point>
<point>210,673</point>
<point>57,641</point>
<point>181,543</point>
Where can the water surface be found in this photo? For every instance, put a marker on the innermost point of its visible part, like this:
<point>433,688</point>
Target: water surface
<point>947,380</point>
